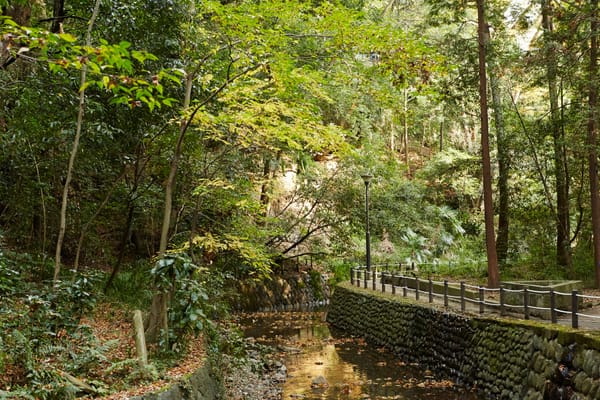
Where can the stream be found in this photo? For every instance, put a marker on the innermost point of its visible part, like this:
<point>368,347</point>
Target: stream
<point>323,364</point>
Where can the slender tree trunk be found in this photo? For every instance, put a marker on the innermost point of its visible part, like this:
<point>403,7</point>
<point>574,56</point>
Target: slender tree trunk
<point>441,143</point>
<point>563,245</point>
<point>593,136</point>
<point>44,227</point>
<point>122,246</point>
<point>131,207</point>
<point>265,198</point>
<point>157,323</point>
<point>490,239</point>
<point>74,149</point>
<point>87,225</point>
<point>405,135</point>
<point>503,164</point>
<point>58,15</point>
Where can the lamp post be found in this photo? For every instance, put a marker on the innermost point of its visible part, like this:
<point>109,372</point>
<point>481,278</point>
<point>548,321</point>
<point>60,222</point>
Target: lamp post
<point>367,179</point>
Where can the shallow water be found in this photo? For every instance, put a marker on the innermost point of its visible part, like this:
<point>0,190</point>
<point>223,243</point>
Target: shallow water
<point>351,368</point>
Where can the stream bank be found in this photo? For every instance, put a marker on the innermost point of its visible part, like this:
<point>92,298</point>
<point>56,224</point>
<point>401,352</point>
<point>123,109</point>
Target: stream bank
<point>326,365</point>
<point>502,358</point>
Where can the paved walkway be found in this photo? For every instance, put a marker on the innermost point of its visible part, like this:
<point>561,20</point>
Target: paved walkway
<point>588,316</point>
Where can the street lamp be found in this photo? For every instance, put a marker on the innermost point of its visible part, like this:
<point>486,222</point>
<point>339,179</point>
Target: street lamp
<point>367,179</point>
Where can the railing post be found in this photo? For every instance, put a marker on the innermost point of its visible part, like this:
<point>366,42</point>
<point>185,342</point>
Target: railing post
<point>393,283</point>
<point>552,306</point>
<point>481,300</point>
<point>430,290</point>
<point>574,309</point>
<point>352,276</point>
<point>366,275</point>
<point>374,278</point>
<point>382,281</point>
<point>416,288</point>
<point>462,296</point>
<point>445,293</point>
<point>526,303</point>
<point>502,313</point>
<point>403,285</point>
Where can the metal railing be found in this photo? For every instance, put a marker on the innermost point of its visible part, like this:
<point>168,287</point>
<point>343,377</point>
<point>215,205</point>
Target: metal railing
<point>517,302</point>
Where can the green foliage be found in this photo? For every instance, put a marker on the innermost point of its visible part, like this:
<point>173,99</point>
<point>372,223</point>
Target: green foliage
<point>132,286</point>
<point>112,67</point>
<point>188,284</point>
<point>42,323</point>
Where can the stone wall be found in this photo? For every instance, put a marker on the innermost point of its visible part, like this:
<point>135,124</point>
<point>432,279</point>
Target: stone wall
<point>502,358</point>
<point>203,384</point>
<point>299,291</point>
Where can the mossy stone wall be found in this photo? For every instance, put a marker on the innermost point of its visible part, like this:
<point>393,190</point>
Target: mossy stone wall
<point>503,359</point>
<point>204,384</point>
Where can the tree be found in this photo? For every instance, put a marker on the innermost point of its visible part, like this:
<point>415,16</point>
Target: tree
<point>593,137</point>
<point>492,260</point>
<point>75,146</point>
<point>563,230</point>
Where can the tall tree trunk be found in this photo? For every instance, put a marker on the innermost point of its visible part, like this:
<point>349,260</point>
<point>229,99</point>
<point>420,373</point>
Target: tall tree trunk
<point>20,13</point>
<point>490,239</point>
<point>157,323</point>
<point>563,245</point>
<point>87,225</point>
<point>58,15</point>
<point>592,137</point>
<point>265,197</point>
<point>131,207</point>
<point>405,133</point>
<point>74,149</point>
<point>503,163</point>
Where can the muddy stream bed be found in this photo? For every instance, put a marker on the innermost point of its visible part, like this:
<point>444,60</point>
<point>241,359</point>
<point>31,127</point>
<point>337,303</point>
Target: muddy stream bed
<point>323,364</point>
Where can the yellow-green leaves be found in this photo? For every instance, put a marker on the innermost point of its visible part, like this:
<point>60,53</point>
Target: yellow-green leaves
<point>112,67</point>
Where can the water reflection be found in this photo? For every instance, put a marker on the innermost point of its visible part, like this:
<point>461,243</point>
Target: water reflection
<point>322,364</point>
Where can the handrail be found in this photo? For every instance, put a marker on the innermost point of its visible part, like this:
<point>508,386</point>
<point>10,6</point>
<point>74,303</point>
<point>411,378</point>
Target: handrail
<point>481,296</point>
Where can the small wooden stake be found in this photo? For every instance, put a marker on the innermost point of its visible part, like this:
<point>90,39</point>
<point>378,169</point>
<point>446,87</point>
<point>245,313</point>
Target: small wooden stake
<point>140,339</point>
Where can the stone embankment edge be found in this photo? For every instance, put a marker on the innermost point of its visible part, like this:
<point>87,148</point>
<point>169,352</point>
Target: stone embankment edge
<point>501,358</point>
<point>203,384</point>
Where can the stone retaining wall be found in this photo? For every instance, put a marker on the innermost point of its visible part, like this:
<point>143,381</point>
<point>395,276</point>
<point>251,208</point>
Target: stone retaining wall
<point>299,291</point>
<point>503,359</point>
<point>203,384</point>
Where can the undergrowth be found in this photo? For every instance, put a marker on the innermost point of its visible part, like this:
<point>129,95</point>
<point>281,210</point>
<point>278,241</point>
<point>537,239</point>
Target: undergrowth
<point>47,349</point>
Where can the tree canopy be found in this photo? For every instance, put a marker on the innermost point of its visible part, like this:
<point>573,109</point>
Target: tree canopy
<point>231,136</point>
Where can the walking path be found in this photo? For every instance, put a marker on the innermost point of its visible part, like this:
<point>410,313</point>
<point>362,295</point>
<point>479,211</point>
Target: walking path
<point>587,315</point>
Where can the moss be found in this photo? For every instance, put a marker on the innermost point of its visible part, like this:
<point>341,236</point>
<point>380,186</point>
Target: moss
<point>316,284</point>
<point>508,353</point>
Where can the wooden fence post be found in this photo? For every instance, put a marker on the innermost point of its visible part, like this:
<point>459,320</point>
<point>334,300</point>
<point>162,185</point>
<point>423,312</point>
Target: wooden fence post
<point>481,300</point>
<point>374,278</point>
<point>140,339</point>
<point>502,301</point>
<point>352,276</point>
<point>393,283</point>
<point>574,309</point>
<point>430,290</point>
<point>416,288</point>
<point>382,281</point>
<point>552,306</point>
<point>462,296</point>
<point>526,303</point>
<point>445,293</point>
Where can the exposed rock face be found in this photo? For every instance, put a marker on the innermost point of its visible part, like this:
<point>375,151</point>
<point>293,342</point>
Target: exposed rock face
<point>504,359</point>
